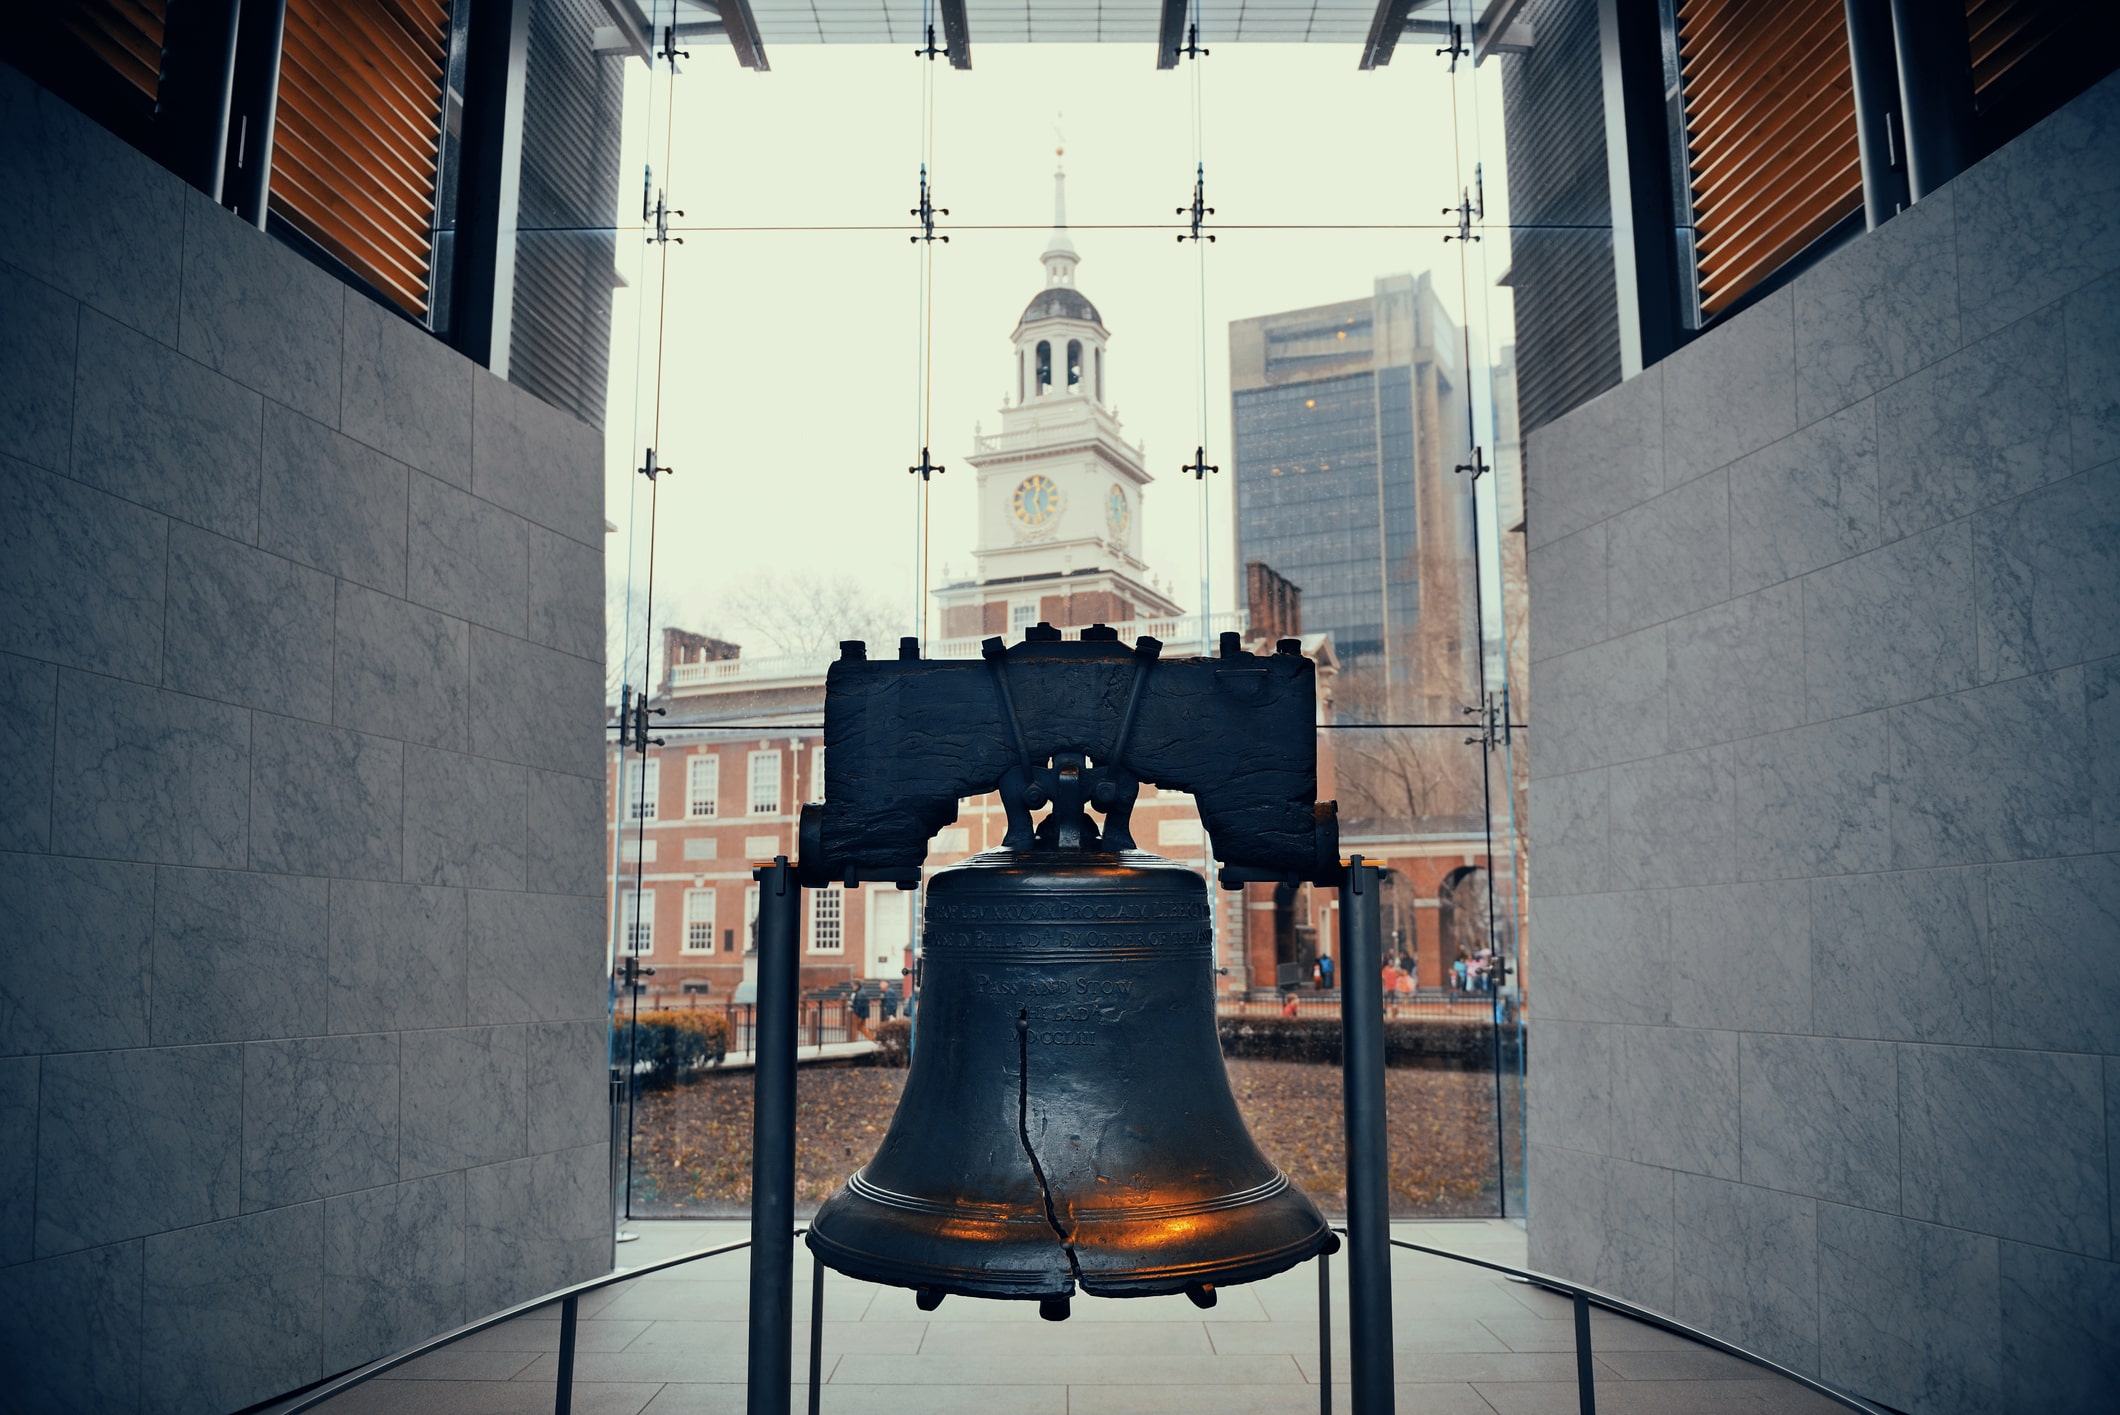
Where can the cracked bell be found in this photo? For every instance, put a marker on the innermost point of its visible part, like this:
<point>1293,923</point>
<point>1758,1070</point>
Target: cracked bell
<point>1067,1121</point>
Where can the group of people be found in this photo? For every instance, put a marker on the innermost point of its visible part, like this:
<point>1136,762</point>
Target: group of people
<point>1472,973</point>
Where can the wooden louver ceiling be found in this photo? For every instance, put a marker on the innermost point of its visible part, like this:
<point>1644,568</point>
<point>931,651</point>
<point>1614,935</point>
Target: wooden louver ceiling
<point>1770,134</point>
<point>358,134</point>
<point>2004,33</point>
<point>126,34</point>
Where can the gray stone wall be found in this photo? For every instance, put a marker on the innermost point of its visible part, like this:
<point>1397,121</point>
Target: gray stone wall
<point>301,1040</point>
<point>1826,794</point>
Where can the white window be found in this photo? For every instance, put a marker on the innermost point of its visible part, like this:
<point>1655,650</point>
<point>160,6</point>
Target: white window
<point>1022,616</point>
<point>640,920</point>
<point>631,849</point>
<point>750,918</point>
<point>761,848</point>
<point>1178,832</point>
<point>765,783</point>
<point>817,774</point>
<point>702,784</point>
<point>700,847</point>
<point>699,921</point>
<point>953,841</point>
<point>640,799</point>
<point>827,908</point>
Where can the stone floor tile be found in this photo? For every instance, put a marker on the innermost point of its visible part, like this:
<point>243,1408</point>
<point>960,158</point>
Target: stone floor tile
<point>1768,1397</point>
<point>534,1334</point>
<point>490,1398</point>
<point>1416,1399</point>
<point>1607,1333</point>
<point>1694,1365</point>
<point>644,1367</point>
<point>1087,1341</point>
<point>455,1363</point>
<point>1041,1369</point>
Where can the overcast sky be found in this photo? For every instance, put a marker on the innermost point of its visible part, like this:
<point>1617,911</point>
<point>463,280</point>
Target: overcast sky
<point>790,358</point>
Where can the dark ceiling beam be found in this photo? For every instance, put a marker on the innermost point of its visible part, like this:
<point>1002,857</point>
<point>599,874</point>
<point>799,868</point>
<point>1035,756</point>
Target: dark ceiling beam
<point>1384,28</point>
<point>956,34</point>
<point>742,26</point>
<point>1171,36</point>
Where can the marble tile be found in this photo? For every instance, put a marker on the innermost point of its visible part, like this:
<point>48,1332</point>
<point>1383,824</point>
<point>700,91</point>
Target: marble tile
<point>1747,1267</point>
<point>1807,501</point>
<point>566,833</point>
<point>18,1159</point>
<point>1602,704</point>
<point>152,775</point>
<point>234,1312</point>
<point>236,956</point>
<point>1598,459</point>
<point>536,705</point>
<point>325,801</point>
<point>464,1101</point>
<point>1736,670</point>
<point>2041,216</point>
<point>1815,800</point>
<point>2005,1142</point>
<point>2044,566</point>
<point>320,1117</point>
<point>1570,816</point>
<point>1571,1086</point>
<point>403,671</point>
<point>172,435</point>
<point>1669,556</point>
<point>408,394</point>
<point>1674,820</point>
<point>247,627</point>
<point>81,575</point>
<point>569,1086</point>
<point>36,370</point>
<point>2054,944</point>
<point>567,594</point>
<point>1902,956</point>
<point>1674,1101</point>
<point>1603,1222</point>
<point>1602,958</point>
<point>1988,423</point>
<point>86,213</point>
<point>393,1268</point>
<point>1972,782</point>
<point>1818,1118</point>
<point>1890,626</point>
<point>330,502</point>
<point>535,460</point>
<point>398,955</point>
<point>2060,1330</point>
<point>1740,957</point>
<point>29,715</point>
<point>255,310</point>
<point>1881,307</point>
<point>2102,689</point>
<point>536,1224</point>
<point>1907,1312</point>
<point>470,558</point>
<point>2112,1136</point>
<point>136,1142</point>
<point>80,1316</point>
<point>465,820</point>
<point>2091,341</point>
<point>536,957</point>
<point>1731,391</point>
<point>1568,592</point>
<point>95,914</point>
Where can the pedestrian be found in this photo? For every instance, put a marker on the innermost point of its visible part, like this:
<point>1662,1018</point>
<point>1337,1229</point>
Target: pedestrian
<point>1459,971</point>
<point>1321,973</point>
<point>1288,1004</point>
<point>859,1005</point>
<point>890,1004</point>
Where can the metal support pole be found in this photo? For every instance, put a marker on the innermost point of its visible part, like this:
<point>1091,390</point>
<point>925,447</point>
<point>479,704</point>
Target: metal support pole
<point>1325,1332</point>
<point>816,1334</point>
<point>563,1393</point>
<point>1368,1198</point>
<point>1877,124</point>
<point>254,99</point>
<point>1935,91</point>
<point>772,1332</point>
<point>1585,1377</point>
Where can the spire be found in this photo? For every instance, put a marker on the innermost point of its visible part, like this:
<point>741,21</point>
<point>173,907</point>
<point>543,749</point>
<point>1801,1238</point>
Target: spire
<point>1060,257</point>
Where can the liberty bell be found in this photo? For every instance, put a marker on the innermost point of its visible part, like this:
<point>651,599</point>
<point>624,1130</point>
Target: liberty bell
<point>1067,1122</point>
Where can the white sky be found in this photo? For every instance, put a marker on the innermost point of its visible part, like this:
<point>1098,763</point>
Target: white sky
<point>789,363</point>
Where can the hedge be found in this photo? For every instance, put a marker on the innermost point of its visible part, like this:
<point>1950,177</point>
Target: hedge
<point>1407,1041</point>
<point>672,1046</point>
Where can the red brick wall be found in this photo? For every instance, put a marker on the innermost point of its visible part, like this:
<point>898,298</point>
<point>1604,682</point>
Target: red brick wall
<point>962,621</point>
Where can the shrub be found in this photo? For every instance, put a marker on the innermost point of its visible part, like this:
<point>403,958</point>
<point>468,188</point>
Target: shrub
<point>1407,1041</point>
<point>894,1042</point>
<point>672,1046</point>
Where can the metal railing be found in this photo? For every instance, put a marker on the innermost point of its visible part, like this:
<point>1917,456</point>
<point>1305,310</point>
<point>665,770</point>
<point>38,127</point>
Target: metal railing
<point>1581,1298</point>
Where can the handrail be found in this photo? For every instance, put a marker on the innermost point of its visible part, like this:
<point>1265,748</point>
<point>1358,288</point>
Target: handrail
<point>1582,1296</point>
<point>566,1296</point>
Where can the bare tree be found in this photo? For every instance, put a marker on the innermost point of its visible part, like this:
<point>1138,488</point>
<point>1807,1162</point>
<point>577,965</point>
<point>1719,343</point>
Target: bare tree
<point>629,653</point>
<point>809,614</point>
<point>1403,772</point>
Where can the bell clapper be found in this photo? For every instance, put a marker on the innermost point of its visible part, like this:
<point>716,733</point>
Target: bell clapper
<point>1053,1309</point>
<point>1202,1296</point>
<point>927,1299</point>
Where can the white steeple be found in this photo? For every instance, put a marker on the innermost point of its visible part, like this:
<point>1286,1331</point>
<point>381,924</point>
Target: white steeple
<point>1060,258</point>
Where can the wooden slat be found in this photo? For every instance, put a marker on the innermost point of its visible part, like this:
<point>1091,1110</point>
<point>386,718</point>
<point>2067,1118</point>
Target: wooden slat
<point>1770,134</point>
<point>2004,33</point>
<point>126,34</point>
<point>358,135</point>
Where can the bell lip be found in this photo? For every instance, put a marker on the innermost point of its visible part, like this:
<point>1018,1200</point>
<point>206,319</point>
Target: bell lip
<point>1048,862</point>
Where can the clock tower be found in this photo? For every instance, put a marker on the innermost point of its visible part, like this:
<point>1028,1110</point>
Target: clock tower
<point>1059,485</point>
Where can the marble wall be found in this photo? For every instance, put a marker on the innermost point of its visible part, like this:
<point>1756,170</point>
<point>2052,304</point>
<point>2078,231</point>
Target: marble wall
<point>1826,804</point>
<point>301,1055</point>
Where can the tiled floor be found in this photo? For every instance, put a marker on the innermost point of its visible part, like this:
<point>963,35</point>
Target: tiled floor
<point>1467,1342</point>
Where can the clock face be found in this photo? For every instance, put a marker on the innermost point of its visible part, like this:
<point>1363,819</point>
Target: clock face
<point>1037,500</point>
<point>1116,512</point>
